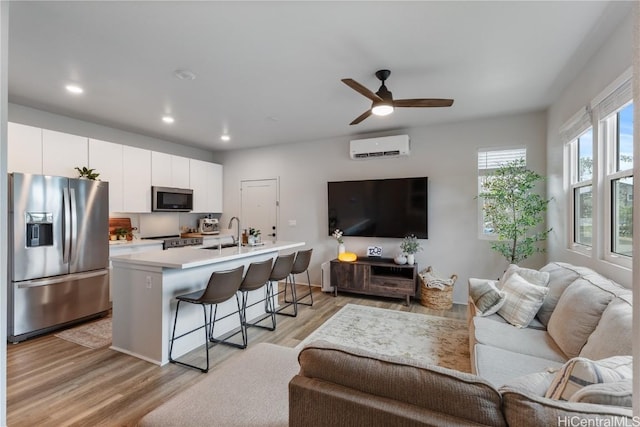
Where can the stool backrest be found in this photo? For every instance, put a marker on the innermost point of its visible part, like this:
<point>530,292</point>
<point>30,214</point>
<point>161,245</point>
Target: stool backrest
<point>282,267</point>
<point>257,275</point>
<point>303,258</point>
<point>222,285</point>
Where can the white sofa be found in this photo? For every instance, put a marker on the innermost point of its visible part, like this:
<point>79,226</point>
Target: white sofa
<point>582,315</point>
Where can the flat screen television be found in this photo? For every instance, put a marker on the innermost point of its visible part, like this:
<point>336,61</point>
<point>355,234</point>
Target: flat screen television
<point>379,207</point>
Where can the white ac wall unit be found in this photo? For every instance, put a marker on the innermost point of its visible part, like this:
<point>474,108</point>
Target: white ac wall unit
<point>387,146</point>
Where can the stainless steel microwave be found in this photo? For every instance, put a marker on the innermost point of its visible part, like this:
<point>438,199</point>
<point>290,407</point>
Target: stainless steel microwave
<point>168,199</point>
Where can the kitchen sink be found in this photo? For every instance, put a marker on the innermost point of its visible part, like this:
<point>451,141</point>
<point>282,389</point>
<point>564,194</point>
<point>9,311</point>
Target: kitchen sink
<point>224,245</point>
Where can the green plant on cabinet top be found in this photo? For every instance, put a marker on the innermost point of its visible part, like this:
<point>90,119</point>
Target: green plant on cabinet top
<point>87,173</point>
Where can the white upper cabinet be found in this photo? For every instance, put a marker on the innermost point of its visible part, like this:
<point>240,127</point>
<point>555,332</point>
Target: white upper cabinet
<point>106,158</point>
<point>136,163</point>
<point>24,151</point>
<point>215,192</point>
<point>169,171</point>
<point>180,172</point>
<point>206,182</point>
<point>161,169</point>
<point>62,153</point>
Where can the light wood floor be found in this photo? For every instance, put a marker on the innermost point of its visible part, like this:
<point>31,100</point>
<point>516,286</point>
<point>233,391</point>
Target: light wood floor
<point>53,382</point>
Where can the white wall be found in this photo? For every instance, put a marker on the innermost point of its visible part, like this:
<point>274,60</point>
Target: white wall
<point>609,62</point>
<point>43,119</point>
<point>447,154</point>
<point>4,71</point>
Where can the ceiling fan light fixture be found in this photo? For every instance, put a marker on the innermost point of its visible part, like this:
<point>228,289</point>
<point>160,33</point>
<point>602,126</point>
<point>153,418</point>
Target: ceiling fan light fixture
<point>382,109</point>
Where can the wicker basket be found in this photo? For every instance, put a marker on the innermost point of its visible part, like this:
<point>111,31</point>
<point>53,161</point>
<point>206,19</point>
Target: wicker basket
<point>438,299</point>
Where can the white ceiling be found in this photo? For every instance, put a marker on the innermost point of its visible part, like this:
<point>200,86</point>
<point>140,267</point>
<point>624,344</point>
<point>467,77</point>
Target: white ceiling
<point>269,72</point>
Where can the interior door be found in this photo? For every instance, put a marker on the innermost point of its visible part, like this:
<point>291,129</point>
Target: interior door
<point>259,206</point>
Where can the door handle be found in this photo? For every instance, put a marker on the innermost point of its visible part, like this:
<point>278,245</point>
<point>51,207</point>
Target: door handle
<point>66,215</point>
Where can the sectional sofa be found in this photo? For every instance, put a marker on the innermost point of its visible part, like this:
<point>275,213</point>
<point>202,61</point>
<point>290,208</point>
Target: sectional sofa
<point>523,374</point>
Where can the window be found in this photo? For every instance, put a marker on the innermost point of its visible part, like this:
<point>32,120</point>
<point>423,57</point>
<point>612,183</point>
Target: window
<point>600,169</point>
<point>582,187</point>
<point>617,130</point>
<point>489,161</point>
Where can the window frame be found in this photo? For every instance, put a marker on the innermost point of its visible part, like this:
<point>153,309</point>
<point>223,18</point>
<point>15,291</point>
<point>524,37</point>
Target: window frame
<point>609,126</point>
<point>574,186</point>
<point>602,116</point>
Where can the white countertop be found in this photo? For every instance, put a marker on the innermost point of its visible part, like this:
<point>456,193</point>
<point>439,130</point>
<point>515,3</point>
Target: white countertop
<point>135,242</point>
<point>189,257</point>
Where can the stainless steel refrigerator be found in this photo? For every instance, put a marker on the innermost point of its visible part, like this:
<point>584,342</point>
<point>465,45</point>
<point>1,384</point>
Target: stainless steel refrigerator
<point>58,252</point>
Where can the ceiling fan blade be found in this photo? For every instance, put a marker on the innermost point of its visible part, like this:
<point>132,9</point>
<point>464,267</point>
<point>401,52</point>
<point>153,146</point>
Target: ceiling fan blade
<point>361,117</point>
<point>361,89</point>
<point>434,102</point>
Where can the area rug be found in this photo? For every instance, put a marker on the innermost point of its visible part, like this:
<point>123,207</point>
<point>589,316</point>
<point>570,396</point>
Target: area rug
<point>95,334</point>
<point>429,339</point>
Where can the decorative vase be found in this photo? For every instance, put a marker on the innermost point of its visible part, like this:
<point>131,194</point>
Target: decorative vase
<point>400,259</point>
<point>411,259</point>
<point>341,249</point>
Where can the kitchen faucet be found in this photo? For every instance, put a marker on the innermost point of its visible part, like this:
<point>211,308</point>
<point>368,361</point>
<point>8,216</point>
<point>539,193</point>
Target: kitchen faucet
<point>237,238</point>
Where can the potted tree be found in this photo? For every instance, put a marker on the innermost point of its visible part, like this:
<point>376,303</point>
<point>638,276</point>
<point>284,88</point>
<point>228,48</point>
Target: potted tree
<point>514,210</point>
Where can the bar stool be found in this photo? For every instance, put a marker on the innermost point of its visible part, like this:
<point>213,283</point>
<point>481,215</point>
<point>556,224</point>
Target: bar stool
<point>257,276</point>
<point>280,271</point>
<point>222,286</point>
<point>301,265</point>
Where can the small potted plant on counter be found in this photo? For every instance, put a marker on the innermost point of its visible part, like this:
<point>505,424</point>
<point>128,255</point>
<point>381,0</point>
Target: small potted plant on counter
<point>254,236</point>
<point>122,233</point>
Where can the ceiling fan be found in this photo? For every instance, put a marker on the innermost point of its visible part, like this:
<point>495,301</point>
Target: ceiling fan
<point>383,102</point>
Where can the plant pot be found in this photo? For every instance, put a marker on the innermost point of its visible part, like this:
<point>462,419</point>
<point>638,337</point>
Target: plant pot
<point>411,259</point>
<point>122,237</point>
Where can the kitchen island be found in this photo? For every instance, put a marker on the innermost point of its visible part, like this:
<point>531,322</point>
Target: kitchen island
<point>145,285</point>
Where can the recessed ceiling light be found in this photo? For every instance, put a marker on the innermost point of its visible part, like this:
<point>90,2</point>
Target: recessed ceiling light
<point>225,138</point>
<point>74,89</point>
<point>168,119</point>
<point>184,74</point>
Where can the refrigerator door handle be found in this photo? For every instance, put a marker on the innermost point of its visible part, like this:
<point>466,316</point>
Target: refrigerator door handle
<point>66,216</point>
<point>60,279</point>
<point>73,253</point>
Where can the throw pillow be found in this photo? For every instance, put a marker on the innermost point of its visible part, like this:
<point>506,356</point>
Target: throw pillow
<point>577,314</point>
<point>614,334</point>
<point>580,372</point>
<point>540,278</point>
<point>522,300</point>
<point>486,296</point>
<point>617,393</point>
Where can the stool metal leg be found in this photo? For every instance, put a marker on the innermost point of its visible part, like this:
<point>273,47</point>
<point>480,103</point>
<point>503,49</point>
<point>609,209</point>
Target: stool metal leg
<point>308,294</point>
<point>241,331</point>
<point>206,345</point>
<point>293,302</point>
